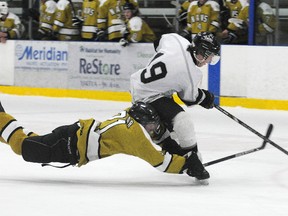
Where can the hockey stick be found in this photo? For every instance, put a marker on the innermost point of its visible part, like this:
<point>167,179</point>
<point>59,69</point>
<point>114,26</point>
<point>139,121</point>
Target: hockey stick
<point>251,129</point>
<point>73,8</point>
<point>168,22</point>
<point>269,130</point>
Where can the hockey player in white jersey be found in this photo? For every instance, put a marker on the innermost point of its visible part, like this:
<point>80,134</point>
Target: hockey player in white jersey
<point>174,69</point>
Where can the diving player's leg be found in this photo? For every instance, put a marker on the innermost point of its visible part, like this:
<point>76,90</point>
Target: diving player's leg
<point>11,132</point>
<point>183,126</point>
<point>58,146</point>
<point>177,120</point>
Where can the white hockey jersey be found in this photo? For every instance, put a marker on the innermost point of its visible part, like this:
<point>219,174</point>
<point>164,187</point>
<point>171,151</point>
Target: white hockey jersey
<point>171,70</point>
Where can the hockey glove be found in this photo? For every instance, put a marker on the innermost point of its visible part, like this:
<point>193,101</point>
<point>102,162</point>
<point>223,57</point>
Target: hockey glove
<point>76,22</point>
<point>232,37</point>
<point>101,35</point>
<point>208,101</point>
<point>123,42</point>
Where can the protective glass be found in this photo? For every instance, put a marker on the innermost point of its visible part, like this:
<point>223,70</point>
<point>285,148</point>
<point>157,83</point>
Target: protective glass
<point>214,60</point>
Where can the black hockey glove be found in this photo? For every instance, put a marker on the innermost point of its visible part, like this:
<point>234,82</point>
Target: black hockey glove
<point>123,42</point>
<point>76,21</point>
<point>232,37</point>
<point>100,35</point>
<point>208,101</point>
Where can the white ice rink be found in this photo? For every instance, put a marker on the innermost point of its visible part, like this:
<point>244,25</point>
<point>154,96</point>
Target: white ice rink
<point>251,185</point>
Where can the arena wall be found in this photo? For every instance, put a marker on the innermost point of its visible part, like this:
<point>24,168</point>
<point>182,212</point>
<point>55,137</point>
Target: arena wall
<point>247,76</point>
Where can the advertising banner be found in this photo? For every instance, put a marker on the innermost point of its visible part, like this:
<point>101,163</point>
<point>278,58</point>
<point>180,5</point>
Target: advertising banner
<point>7,63</point>
<point>41,63</point>
<point>105,66</point>
<point>41,56</point>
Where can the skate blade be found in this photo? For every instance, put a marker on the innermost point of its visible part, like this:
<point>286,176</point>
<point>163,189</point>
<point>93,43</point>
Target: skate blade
<point>203,182</point>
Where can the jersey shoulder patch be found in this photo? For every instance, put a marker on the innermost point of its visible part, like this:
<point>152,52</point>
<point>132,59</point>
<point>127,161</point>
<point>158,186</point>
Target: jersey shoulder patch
<point>135,23</point>
<point>14,17</point>
<point>50,6</point>
<point>62,4</point>
<point>267,10</point>
<point>214,5</point>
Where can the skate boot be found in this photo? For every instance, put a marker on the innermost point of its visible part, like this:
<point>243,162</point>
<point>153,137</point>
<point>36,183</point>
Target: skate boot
<point>195,168</point>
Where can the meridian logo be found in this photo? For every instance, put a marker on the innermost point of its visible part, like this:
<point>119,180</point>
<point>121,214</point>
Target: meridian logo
<point>44,53</point>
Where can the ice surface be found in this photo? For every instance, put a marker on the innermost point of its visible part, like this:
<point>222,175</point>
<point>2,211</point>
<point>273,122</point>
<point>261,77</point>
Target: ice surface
<point>252,185</point>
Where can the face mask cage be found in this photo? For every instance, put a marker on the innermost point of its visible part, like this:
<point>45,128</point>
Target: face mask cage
<point>206,50</point>
<point>153,128</point>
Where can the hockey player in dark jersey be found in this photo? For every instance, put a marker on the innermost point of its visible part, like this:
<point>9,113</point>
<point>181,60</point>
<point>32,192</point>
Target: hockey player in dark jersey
<point>174,69</point>
<point>132,132</point>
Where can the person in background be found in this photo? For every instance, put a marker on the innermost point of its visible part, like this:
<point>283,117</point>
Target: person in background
<point>237,30</point>
<point>182,13</point>
<point>110,20</point>
<point>10,24</point>
<point>202,16</point>
<point>66,25</point>
<point>130,132</point>
<point>235,7</point>
<point>235,33</point>
<point>89,14</point>
<point>47,13</point>
<point>136,29</point>
<point>266,23</point>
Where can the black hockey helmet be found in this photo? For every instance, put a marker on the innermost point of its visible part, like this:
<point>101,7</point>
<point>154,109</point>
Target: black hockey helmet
<point>205,44</point>
<point>129,6</point>
<point>148,117</point>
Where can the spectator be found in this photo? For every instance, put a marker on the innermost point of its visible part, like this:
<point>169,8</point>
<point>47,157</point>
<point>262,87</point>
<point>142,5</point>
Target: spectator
<point>66,24</point>
<point>110,21</point>
<point>237,30</point>
<point>10,24</point>
<point>224,14</point>
<point>182,13</point>
<point>266,23</point>
<point>33,12</point>
<point>235,7</point>
<point>202,16</point>
<point>89,14</point>
<point>136,29</point>
<point>47,12</point>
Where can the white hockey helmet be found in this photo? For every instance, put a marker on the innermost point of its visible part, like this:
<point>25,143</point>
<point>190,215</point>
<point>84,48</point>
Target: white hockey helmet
<point>3,8</point>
